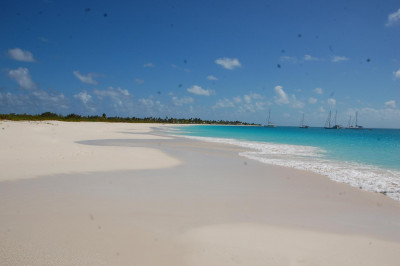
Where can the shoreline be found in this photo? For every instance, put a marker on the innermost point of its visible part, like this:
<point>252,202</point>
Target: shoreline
<point>189,202</point>
<point>362,175</point>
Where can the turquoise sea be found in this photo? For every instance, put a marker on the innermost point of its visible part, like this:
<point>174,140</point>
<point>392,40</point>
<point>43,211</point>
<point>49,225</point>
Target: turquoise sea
<point>368,159</point>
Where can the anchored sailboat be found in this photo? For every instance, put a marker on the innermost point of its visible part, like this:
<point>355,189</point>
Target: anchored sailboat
<point>328,122</point>
<point>302,125</point>
<point>356,126</point>
<point>269,123</point>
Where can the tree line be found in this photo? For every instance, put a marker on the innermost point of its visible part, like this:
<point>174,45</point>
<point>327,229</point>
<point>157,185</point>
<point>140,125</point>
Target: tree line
<point>104,118</point>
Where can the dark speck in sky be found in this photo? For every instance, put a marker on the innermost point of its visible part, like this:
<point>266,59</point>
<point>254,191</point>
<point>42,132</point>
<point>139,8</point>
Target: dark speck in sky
<point>299,35</point>
<point>278,65</point>
<point>185,61</point>
<point>105,15</point>
<point>331,48</point>
<point>88,9</point>
<point>282,51</point>
<point>368,60</point>
<point>159,92</point>
<point>180,85</point>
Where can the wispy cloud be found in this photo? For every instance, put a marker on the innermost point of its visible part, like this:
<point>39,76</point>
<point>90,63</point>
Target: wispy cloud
<point>390,104</point>
<point>312,100</point>
<point>211,77</point>
<point>228,63</point>
<point>148,65</point>
<point>318,90</point>
<point>199,91</point>
<point>23,78</point>
<point>308,57</point>
<point>181,101</point>
<point>247,103</point>
<point>337,59</point>
<point>139,81</point>
<point>21,55</point>
<point>87,79</point>
<point>86,99</point>
<point>120,100</point>
<point>280,95</point>
<point>396,74</point>
<point>33,99</point>
<point>331,102</point>
<point>393,18</point>
<point>224,103</point>
<point>83,96</point>
<point>296,103</point>
<point>289,59</point>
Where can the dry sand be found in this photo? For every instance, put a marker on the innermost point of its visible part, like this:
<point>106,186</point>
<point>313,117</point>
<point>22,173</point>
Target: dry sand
<point>122,194</point>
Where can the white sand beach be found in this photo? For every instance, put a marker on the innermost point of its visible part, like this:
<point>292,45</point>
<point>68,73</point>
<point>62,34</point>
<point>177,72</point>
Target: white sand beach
<point>125,194</point>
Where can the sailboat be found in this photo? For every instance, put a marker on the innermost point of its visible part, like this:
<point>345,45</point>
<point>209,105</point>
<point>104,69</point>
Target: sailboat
<point>302,125</point>
<point>356,126</point>
<point>269,123</point>
<point>328,122</point>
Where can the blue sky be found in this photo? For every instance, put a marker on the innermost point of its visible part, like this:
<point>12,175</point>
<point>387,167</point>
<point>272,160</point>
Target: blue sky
<point>230,60</point>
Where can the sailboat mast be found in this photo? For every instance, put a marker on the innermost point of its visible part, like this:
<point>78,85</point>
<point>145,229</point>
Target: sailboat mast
<point>356,119</point>
<point>269,115</point>
<point>335,117</point>
<point>330,112</point>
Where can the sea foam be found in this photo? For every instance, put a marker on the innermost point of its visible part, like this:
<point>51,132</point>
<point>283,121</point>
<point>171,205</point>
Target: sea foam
<point>366,177</point>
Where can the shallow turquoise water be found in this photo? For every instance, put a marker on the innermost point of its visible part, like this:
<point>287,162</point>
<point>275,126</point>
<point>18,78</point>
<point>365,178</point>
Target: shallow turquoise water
<point>380,147</point>
<point>368,159</point>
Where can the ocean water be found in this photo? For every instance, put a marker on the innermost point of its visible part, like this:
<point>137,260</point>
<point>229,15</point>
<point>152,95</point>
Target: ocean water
<point>368,159</point>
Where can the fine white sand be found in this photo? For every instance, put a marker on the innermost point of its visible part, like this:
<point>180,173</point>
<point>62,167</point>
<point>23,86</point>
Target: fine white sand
<point>122,194</point>
<point>32,149</point>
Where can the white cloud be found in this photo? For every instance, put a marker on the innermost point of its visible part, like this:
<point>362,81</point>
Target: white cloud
<point>337,59</point>
<point>308,57</point>
<point>153,107</point>
<point>118,99</point>
<point>390,104</point>
<point>228,63</point>
<point>23,78</point>
<point>199,91</point>
<point>312,100</point>
<point>290,59</point>
<point>318,90</point>
<point>181,101</point>
<point>396,74</point>
<point>147,102</point>
<point>112,92</point>
<point>224,103</point>
<point>21,55</point>
<point>237,99</point>
<point>296,103</point>
<point>331,102</point>
<point>47,97</point>
<point>83,96</point>
<point>321,109</point>
<point>148,65</point>
<point>211,77</point>
<point>281,96</point>
<point>88,79</point>
<point>393,18</point>
<point>36,101</point>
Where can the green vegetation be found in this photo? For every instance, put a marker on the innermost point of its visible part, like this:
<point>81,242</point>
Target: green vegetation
<point>104,118</point>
